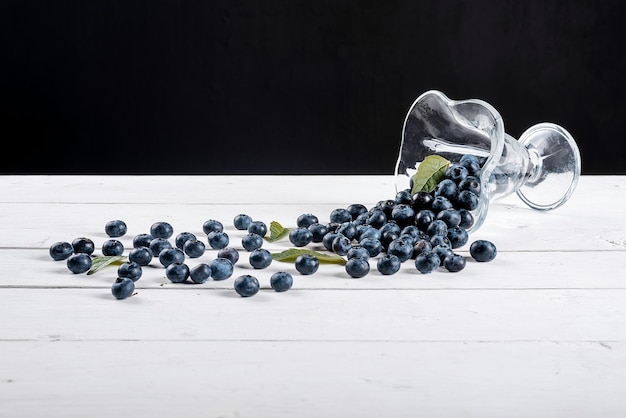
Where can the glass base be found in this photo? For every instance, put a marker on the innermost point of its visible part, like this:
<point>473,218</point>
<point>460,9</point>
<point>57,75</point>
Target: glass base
<point>556,160</point>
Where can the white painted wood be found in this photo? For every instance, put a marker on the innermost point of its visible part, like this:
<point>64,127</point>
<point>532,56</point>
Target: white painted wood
<point>538,332</point>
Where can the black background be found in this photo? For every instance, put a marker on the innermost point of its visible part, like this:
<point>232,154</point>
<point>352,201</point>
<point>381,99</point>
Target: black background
<point>302,87</point>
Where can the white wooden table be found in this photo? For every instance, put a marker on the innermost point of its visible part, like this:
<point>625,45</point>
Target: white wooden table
<point>538,332</point>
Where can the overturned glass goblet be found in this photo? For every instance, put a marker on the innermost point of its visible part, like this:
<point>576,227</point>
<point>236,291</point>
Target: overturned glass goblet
<point>542,167</point>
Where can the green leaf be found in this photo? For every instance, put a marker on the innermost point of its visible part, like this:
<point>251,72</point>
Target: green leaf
<point>277,231</point>
<point>291,254</point>
<point>429,173</point>
<point>103,261</point>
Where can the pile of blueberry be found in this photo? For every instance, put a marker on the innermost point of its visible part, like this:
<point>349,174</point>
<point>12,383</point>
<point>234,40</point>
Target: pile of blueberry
<point>425,227</point>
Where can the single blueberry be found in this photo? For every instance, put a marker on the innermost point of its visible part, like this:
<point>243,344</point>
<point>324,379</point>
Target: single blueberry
<point>483,250</point>
<point>142,240</point>
<point>421,246</point>
<point>340,215</point>
<point>328,239</point>
<point>440,203</point>
<point>130,269</point>
<point>437,227</point>
<point>83,245</point>
<point>171,255</point>
<point>401,248</point>
<point>467,219</point>
<point>122,288</point>
<point>258,227</point>
<point>200,273</point>
<point>281,281</point>
<point>177,272</point>
<point>391,226</point>
<point>246,285</point>
<point>376,218</point>
<point>251,241</point>
<point>140,255</point>
<point>229,253</point>
<point>357,267</point>
<point>356,210</point>
<point>260,258</point>
<point>159,244</point>
<point>467,200</point>
<point>194,248</point>
<point>403,214</point>
<point>183,237</point>
<point>386,206</point>
<point>358,251</point>
<point>318,231</point>
<point>306,219</point>
<point>451,217</point>
<point>424,218</point>
<point>457,236</point>
<point>115,228</point>
<point>307,264</point>
<point>218,240</point>
<point>427,262</point>
<point>212,225</point>
<point>411,230</point>
<point>388,264</point>
<point>442,251</point>
<point>422,200</point>
<point>372,245</point>
<point>456,173</point>
<point>347,229</point>
<point>161,230</point>
<point>242,221</point>
<point>79,263</point>
<point>341,244</point>
<point>368,231</point>
<point>446,188</point>
<point>404,197</point>
<point>221,268</point>
<point>454,263</point>
<point>112,247</point>
<point>61,250</point>
<point>470,183</point>
<point>300,236</point>
<point>472,164</point>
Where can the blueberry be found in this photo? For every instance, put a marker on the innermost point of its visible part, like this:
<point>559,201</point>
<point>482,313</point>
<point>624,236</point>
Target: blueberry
<point>386,206</point>
<point>252,241</point>
<point>457,236</point>
<point>424,218</point>
<point>341,244</point>
<point>281,281</point>
<point>246,285</point>
<point>115,228</point>
<point>401,248</point>
<point>130,269</point>
<point>411,230</point>
<point>83,245</point>
<point>212,226</point>
<point>347,229</point>
<point>229,253</point>
<point>200,273</point>
<point>454,263</point>
<point>404,197</point>
<point>142,240</point>
<point>79,263</point>
<point>391,227</point>
<point>122,288</point>
<point>446,188</point>
<point>372,245</point>
<point>483,250</point>
<point>61,250</point>
<point>300,236</point>
<point>112,247</point>
<point>242,221</point>
<point>258,227</point>
<point>376,218</point>
<point>421,246</point>
<point>467,219</point>
<point>440,203</point>
<point>442,251</point>
<point>318,231</point>
<point>356,210</point>
<point>306,219</point>
<point>437,227</point>
<point>177,272</point>
<point>403,214</point>
<point>357,267</point>
<point>161,230</point>
<point>159,244</point>
<point>194,248</point>
<point>471,163</point>
<point>328,239</point>
<point>221,268</point>
<point>260,258</point>
<point>456,173</point>
<point>358,251</point>
<point>218,240</point>
<point>467,200</point>
<point>427,262</point>
<point>470,183</point>
<point>140,255</point>
<point>422,200</point>
<point>368,231</point>
<point>307,264</point>
<point>388,264</point>
<point>451,217</point>
<point>171,255</point>
<point>340,215</point>
<point>183,237</point>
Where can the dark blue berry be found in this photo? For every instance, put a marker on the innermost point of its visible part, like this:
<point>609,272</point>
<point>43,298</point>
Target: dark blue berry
<point>221,268</point>
<point>357,267</point>
<point>356,210</point>
<point>376,218</point>
<point>347,229</point>
<point>242,221</point>
<point>372,245</point>
<point>341,245</point>
<point>182,238</point>
<point>130,269</point>
<point>457,236</point>
<point>200,273</point>
<point>307,264</point>
<point>79,263</point>
<point>441,203</point>
<point>251,241</point>
<point>171,255</point>
<point>218,240</point>
<point>446,188</point>
<point>318,231</point>
<point>437,227</point>
<point>403,214</point>
<point>427,262</point>
<point>159,244</point>
<point>401,248</point>
<point>358,251</point>
<point>421,246</point>
<point>442,251</point>
<point>83,245</point>
<point>177,272</point>
<point>122,288</point>
<point>422,200</point>
<point>424,218</point>
<point>454,263</point>
<point>470,183</point>
<point>368,231</point>
<point>300,236</point>
<point>142,240</point>
<point>260,258</point>
<point>404,197</point>
<point>246,285</point>
<point>230,253</point>
<point>388,264</point>
<point>340,215</point>
<point>306,219</point>
<point>451,217</point>
<point>112,247</point>
<point>281,281</point>
<point>467,219</point>
<point>483,250</point>
<point>61,250</point>
<point>257,227</point>
<point>472,164</point>
<point>194,248</point>
<point>328,239</point>
<point>161,230</point>
<point>467,200</point>
<point>456,173</point>
<point>115,228</point>
<point>140,255</point>
<point>212,225</point>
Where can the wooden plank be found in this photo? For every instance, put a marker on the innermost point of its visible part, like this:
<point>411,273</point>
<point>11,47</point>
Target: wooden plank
<point>316,315</point>
<point>312,379</point>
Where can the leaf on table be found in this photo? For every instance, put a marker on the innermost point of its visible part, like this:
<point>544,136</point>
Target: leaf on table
<point>100,262</point>
<point>291,254</point>
<point>277,232</point>
<point>429,173</point>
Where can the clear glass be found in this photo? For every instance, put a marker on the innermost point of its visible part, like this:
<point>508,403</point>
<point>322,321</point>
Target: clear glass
<point>542,167</point>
